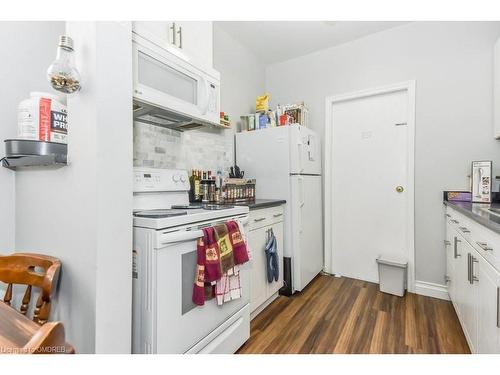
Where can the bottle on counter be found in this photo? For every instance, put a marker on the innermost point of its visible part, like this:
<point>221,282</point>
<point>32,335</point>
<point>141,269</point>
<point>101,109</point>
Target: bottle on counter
<point>191,186</point>
<point>211,189</point>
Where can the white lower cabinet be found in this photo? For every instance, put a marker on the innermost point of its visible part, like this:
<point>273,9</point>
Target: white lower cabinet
<point>473,282</point>
<point>468,293</point>
<point>263,220</point>
<point>489,309</point>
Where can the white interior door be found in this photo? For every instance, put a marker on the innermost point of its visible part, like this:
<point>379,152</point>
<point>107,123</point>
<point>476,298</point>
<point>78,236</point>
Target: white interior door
<point>371,192</point>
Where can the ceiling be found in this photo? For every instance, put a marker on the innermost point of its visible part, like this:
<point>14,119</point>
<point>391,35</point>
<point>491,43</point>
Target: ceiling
<point>274,41</point>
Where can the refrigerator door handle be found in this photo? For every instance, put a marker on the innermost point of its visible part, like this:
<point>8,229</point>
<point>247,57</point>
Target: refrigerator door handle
<point>300,145</point>
<point>301,200</point>
<point>301,191</point>
<point>311,142</point>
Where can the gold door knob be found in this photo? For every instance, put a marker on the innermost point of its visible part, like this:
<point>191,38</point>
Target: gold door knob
<point>400,189</point>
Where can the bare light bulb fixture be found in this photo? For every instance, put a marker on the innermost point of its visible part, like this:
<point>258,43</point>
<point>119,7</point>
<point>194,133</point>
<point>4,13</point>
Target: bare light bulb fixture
<point>62,74</point>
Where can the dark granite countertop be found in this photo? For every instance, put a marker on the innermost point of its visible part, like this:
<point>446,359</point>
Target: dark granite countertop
<point>262,203</point>
<point>479,213</point>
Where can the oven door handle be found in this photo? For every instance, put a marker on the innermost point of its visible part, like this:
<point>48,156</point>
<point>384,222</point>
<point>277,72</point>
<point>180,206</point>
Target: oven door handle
<point>187,235</point>
<point>182,236</point>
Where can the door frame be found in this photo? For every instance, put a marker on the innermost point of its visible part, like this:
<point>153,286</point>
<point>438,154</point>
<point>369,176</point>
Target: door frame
<point>409,87</point>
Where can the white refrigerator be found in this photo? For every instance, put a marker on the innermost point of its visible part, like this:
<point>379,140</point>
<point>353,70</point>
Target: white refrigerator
<point>286,161</point>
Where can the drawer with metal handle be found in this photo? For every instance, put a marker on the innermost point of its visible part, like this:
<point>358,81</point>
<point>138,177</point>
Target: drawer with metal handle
<point>486,242</point>
<point>266,216</point>
<point>259,219</point>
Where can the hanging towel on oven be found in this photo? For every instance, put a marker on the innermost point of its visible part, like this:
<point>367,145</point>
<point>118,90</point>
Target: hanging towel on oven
<point>218,252</point>
<point>238,243</point>
<point>225,247</point>
<point>208,267</point>
<point>244,237</point>
<point>228,287</point>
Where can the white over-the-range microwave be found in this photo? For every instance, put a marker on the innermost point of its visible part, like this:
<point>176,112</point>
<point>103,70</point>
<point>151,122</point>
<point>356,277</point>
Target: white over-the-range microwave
<point>172,92</point>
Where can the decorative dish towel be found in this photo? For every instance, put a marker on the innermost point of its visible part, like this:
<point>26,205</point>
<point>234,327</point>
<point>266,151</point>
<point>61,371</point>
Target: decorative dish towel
<point>240,252</point>
<point>219,252</point>
<point>225,247</point>
<point>228,288</point>
<point>208,268</point>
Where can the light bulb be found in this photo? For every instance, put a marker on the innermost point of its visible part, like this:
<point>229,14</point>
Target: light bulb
<point>62,74</point>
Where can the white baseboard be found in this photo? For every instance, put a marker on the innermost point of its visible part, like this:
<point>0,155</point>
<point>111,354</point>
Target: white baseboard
<point>432,290</point>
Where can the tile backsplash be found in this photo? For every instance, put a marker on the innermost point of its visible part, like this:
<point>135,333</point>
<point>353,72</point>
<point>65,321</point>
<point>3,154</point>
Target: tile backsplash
<point>196,149</point>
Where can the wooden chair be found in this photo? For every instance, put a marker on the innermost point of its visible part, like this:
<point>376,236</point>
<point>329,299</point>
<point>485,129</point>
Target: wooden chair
<point>32,270</point>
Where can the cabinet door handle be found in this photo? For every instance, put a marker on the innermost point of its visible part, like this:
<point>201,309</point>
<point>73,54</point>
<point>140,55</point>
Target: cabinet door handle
<point>447,279</point>
<point>259,219</point>
<point>498,307</point>
<point>464,229</point>
<point>455,243</point>
<point>472,276</point>
<point>277,215</point>
<point>484,246</point>
<point>468,268</point>
<point>447,243</point>
<point>454,221</point>
<point>448,215</point>
<point>180,36</point>
<point>174,34</point>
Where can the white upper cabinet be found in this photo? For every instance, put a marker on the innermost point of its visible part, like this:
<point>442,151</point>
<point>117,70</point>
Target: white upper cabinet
<point>496,90</point>
<point>190,40</point>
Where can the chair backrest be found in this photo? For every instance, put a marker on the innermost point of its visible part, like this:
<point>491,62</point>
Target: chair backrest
<point>32,270</point>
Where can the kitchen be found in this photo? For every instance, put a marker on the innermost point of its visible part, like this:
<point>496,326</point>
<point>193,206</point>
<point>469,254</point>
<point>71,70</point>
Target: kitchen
<point>181,126</point>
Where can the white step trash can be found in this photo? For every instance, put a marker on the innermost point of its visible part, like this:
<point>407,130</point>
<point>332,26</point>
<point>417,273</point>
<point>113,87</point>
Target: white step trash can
<point>392,275</point>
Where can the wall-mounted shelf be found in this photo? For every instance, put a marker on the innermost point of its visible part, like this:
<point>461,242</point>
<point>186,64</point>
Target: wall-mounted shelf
<point>31,153</point>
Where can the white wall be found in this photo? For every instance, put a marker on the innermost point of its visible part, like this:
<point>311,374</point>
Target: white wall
<point>452,65</point>
<point>28,48</point>
<point>82,213</point>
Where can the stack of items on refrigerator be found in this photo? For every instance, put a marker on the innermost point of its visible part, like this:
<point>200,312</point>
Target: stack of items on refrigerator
<point>264,117</point>
<point>222,188</point>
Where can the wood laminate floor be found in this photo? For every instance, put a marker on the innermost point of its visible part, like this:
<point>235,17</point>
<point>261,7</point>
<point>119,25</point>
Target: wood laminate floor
<point>342,315</point>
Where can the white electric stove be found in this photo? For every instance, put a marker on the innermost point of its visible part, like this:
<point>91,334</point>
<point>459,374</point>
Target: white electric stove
<point>165,320</point>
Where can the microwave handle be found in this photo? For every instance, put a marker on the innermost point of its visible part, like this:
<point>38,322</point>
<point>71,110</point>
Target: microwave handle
<point>206,95</point>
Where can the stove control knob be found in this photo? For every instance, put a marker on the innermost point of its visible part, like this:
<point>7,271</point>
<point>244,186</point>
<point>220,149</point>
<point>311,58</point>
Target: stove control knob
<point>175,178</point>
<point>183,178</point>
